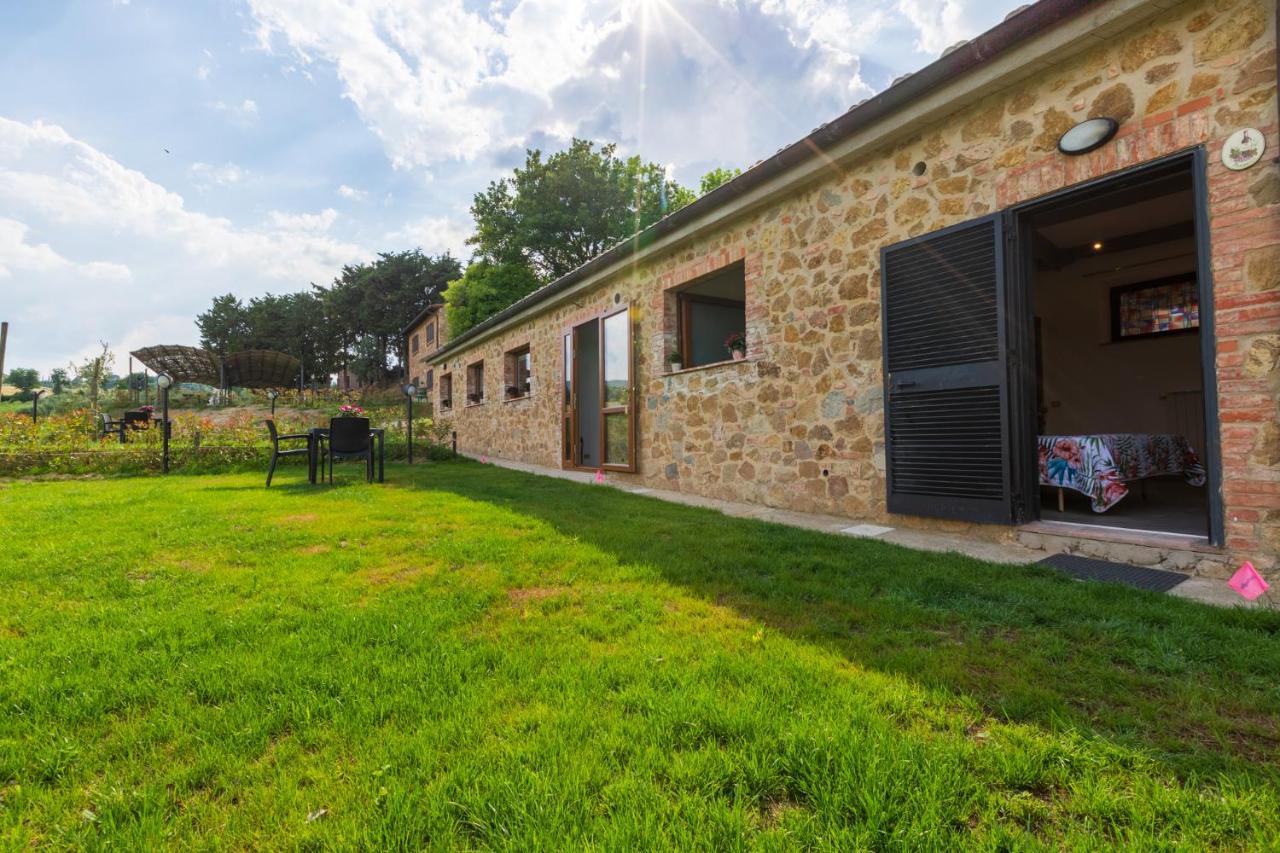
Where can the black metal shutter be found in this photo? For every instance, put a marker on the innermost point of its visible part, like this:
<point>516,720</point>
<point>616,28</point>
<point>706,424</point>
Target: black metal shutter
<point>946,394</point>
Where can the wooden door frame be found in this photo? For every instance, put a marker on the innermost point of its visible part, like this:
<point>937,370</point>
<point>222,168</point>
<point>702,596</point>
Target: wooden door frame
<point>1195,161</point>
<point>571,330</point>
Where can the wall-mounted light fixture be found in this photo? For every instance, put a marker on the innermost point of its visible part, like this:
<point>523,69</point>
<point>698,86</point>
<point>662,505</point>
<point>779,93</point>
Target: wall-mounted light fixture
<point>1088,135</point>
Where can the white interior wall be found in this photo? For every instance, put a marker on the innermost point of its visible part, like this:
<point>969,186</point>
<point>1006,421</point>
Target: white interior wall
<point>1092,385</point>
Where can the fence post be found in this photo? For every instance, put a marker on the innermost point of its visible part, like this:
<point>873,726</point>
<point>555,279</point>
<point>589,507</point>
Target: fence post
<point>455,442</point>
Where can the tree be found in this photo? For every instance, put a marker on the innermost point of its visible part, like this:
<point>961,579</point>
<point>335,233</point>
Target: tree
<point>24,378</point>
<point>225,326</point>
<point>716,177</point>
<point>484,290</point>
<point>58,378</point>
<point>556,214</point>
<point>92,372</point>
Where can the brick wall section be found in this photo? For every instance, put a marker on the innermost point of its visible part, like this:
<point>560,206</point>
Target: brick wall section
<point>799,423</point>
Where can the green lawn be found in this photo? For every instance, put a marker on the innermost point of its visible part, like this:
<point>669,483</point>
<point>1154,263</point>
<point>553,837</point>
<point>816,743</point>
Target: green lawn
<point>473,657</point>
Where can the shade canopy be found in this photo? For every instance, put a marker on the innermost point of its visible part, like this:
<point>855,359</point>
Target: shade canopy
<point>248,369</point>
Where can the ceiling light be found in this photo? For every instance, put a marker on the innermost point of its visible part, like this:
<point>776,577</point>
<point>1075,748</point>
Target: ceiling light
<point>1088,135</point>
<point>1097,246</point>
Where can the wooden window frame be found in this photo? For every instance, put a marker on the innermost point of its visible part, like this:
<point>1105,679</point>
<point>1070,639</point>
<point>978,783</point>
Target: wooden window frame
<point>568,399</point>
<point>511,375</point>
<point>430,332</point>
<point>413,344</point>
<point>474,368</point>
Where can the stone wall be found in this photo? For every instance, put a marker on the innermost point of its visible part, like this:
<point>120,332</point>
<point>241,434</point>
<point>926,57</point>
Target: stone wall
<point>799,423</point>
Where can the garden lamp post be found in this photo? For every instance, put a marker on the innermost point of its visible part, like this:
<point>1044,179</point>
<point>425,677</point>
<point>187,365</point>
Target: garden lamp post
<point>409,391</point>
<point>163,381</point>
<point>273,393</point>
<point>35,401</point>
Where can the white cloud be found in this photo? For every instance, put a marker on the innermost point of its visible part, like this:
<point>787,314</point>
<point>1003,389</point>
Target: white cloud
<point>433,234</point>
<point>166,260</point>
<point>205,68</point>
<point>245,112</point>
<point>228,174</point>
<point>352,193</point>
<point>942,23</point>
<point>17,255</point>
<point>321,221</point>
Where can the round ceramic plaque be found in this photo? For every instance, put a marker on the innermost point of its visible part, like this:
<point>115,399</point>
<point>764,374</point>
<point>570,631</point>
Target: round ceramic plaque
<point>1243,148</point>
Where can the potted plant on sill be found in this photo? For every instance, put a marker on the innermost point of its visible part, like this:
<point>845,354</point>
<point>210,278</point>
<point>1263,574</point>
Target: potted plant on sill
<point>348,410</point>
<point>736,343</point>
<point>675,361</point>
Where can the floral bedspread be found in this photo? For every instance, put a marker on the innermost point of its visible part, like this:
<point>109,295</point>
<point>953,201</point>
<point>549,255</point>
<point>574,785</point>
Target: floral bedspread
<point>1099,466</point>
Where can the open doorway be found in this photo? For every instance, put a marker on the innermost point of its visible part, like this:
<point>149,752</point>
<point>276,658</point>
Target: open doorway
<point>599,395</point>
<point>1120,392</point>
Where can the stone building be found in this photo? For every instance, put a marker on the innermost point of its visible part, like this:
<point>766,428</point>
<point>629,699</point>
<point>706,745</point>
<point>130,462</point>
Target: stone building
<point>424,335</point>
<point>936,283</point>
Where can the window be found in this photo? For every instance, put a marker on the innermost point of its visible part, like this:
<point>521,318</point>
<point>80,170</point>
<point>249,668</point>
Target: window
<point>519,373</point>
<point>475,383</point>
<point>431,332</point>
<point>431,375</point>
<point>413,345</point>
<point>446,391</point>
<point>1161,307</point>
<point>712,316</point>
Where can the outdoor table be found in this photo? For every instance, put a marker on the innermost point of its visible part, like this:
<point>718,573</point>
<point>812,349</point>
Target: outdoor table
<point>317,433</point>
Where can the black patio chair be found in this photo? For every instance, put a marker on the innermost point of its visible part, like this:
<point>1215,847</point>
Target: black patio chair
<point>108,427</point>
<point>276,452</point>
<point>351,438</point>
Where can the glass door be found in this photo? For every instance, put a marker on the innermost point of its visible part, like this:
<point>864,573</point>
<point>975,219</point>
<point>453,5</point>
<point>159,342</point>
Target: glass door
<point>569,405</point>
<point>617,397</point>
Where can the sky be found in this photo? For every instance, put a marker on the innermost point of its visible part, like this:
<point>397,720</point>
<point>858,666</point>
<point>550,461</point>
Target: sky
<point>156,154</point>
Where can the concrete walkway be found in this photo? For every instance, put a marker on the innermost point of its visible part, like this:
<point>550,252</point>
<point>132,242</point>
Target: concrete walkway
<point>1206,590</point>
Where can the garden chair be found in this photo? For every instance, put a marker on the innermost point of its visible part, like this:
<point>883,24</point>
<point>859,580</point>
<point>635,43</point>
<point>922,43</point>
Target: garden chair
<point>351,438</point>
<point>108,427</point>
<point>276,452</point>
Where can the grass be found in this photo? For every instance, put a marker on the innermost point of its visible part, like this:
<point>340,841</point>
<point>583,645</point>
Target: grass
<point>473,657</point>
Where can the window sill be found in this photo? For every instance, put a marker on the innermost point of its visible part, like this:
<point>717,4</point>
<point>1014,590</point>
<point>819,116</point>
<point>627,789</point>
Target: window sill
<point>473,405</point>
<point>713,365</point>
<point>517,399</point>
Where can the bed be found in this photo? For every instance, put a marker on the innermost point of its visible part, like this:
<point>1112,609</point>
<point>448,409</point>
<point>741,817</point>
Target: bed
<point>1101,466</point>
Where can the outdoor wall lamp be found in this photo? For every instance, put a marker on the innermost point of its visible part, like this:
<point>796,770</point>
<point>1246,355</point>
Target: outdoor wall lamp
<point>35,402</point>
<point>1088,135</point>
<point>273,393</point>
<point>163,382</point>
<point>409,391</point>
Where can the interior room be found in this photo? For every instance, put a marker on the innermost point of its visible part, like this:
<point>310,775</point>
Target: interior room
<point>711,309</point>
<point>1120,390</point>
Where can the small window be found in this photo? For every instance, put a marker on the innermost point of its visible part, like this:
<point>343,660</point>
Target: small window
<point>475,383</point>
<point>413,345</point>
<point>519,373</point>
<point>431,332</point>
<point>712,316</point>
<point>446,391</point>
<point>431,376</point>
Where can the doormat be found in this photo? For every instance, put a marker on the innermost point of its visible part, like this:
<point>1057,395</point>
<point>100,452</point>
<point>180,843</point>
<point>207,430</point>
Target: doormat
<point>1089,569</point>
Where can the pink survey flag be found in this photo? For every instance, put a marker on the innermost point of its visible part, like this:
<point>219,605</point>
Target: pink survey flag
<point>1248,582</point>
<point>599,475</point>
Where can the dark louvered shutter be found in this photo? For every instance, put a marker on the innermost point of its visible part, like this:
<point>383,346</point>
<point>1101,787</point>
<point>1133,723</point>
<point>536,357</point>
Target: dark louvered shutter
<point>946,439</point>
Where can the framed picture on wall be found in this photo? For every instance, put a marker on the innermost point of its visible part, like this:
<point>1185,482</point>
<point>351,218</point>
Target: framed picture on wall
<point>1162,306</point>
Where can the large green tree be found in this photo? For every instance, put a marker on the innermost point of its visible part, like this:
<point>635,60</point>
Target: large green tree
<point>557,213</point>
<point>224,328</point>
<point>484,290</point>
<point>715,178</point>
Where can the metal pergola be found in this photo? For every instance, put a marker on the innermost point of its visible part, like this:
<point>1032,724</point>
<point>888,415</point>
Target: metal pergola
<point>256,368</point>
